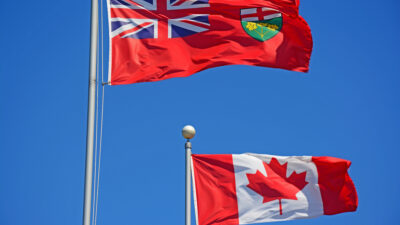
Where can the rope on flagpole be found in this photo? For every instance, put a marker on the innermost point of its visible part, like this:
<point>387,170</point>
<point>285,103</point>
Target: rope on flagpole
<point>96,122</point>
<point>99,156</point>
<point>97,181</point>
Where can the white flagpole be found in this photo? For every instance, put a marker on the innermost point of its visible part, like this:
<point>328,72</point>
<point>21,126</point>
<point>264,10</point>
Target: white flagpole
<point>188,132</point>
<point>94,28</point>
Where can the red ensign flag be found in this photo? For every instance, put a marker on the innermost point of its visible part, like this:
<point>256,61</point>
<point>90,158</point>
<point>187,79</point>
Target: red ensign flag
<point>254,188</point>
<point>152,40</point>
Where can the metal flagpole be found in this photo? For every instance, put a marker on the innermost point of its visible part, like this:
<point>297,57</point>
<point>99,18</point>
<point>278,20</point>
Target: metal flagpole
<point>94,28</point>
<point>188,132</point>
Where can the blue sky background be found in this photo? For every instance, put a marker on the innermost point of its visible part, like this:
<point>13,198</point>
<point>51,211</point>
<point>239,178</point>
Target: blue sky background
<point>347,106</point>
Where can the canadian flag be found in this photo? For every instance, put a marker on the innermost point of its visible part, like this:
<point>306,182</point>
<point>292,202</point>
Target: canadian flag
<point>253,188</point>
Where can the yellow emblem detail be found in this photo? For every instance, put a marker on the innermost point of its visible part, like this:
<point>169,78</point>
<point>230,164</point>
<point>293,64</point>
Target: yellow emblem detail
<point>251,26</point>
<point>254,25</point>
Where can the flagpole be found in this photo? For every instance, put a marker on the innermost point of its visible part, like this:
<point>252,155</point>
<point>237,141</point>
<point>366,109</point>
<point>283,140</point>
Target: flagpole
<point>94,28</point>
<point>188,132</point>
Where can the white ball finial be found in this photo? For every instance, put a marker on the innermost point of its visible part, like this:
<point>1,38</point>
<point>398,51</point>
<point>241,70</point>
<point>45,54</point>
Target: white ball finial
<point>188,132</point>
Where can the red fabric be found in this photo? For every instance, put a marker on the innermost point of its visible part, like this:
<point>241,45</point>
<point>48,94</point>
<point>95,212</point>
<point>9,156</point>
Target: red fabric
<point>215,189</point>
<point>337,189</point>
<point>226,43</point>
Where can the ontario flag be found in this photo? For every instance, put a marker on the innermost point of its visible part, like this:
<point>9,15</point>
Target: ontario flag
<point>254,188</point>
<point>152,40</point>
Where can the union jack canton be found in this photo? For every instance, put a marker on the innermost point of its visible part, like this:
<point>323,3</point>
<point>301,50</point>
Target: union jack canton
<point>158,19</point>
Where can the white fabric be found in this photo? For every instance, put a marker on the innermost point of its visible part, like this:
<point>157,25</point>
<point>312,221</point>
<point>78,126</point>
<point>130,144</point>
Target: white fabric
<point>250,204</point>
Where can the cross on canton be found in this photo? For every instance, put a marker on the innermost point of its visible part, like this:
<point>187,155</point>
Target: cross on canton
<point>261,13</point>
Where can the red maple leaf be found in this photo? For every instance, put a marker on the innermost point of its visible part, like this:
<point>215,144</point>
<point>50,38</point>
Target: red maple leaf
<point>276,185</point>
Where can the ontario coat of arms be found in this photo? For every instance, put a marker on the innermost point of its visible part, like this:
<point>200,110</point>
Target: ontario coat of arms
<point>261,23</point>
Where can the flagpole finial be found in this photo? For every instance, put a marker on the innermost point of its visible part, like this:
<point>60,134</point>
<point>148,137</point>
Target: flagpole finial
<point>188,132</point>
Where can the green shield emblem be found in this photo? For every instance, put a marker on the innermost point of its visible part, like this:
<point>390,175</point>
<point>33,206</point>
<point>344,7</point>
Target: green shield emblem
<point>264,29</point>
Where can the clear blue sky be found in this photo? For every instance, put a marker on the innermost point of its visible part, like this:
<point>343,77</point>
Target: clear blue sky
<point>346,106</point>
